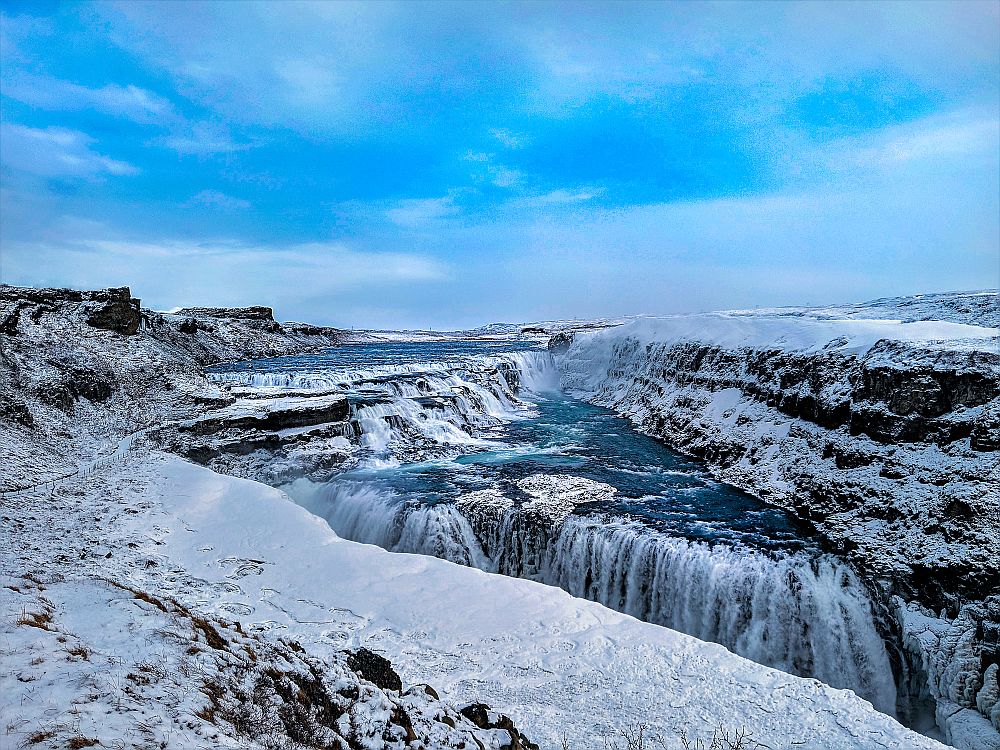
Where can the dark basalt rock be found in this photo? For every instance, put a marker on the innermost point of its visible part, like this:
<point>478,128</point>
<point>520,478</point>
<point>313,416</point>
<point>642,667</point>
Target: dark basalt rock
<point>560,343</point>
<point>484,718</point>
<point>256,312</point>
<point>16,410</point>
<point>107,309</point>
<point>374,668</point>
<point>307,329</point>
<point>113,310</point>
<point>337,410</point>
<point>985,434</point>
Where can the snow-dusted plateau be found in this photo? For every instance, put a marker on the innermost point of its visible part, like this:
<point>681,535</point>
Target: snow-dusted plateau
<point>223,531</point>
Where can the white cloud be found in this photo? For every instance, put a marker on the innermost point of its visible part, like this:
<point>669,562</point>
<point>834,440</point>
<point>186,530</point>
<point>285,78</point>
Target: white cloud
<point>487,170</point>
<point>56,152</point>
<point>310,82</point>
<point>201,139</point>
<point>217,199</point>
<point>129,102</point>
<point>503,176</point>
<point>477,156</point>
<point>300,280</point>
<point>509,138</point>
<point>951,141</point>
<point>561,197</point>
<point>417,212</point>
<point>940,138</point>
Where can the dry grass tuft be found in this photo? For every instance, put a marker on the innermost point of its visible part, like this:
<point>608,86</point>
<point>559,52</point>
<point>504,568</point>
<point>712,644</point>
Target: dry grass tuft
<point>40,620</point>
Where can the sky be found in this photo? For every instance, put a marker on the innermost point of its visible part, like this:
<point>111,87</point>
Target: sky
<point>445,165</point>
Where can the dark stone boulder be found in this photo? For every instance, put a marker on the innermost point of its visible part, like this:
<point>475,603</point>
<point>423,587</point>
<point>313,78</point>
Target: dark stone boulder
<point>485,718</point>
<point>374,668</point>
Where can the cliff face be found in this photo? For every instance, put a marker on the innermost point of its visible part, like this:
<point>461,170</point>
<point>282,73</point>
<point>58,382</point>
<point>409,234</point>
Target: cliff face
<point>883,435</point>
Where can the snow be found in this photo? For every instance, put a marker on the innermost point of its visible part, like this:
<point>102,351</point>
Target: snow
<point>234,548</point>
<point>801,334</point>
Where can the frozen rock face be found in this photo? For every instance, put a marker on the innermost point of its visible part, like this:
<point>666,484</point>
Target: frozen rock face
<point>108,309</point>
<point>960,658</point>
<point>882,434</point>
<point>80,369</point>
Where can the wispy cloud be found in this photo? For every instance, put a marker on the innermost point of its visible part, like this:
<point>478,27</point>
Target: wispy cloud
<point>169,272</point>
<point>309,82</point>
<point>947,141</point>
<point>418,212</point>
<point>561,197</point>
<point>217,199</point>
<point>509,138</point>
<point>569,162</point>
<point>56,152</point>
<point>201,139</point>
<point>126,101</point>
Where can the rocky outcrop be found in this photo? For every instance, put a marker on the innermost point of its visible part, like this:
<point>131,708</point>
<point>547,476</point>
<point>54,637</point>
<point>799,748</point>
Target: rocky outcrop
<point>107,309</point>
<point>374,668</point>
<point>113,310</point>
<point>559,343</point>
<point>80,369</point>
<point>256,313</point>
<point>483,717</point>
<point>272,415</point>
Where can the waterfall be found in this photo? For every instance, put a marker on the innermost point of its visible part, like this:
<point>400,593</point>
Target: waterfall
<point>398,408</point>
<point>363,513</point>
<point>806,615</point>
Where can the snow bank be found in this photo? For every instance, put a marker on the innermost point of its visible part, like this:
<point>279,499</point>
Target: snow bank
<point>554,663</point>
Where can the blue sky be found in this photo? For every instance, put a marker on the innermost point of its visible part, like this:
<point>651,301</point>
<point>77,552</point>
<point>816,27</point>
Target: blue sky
<point>450,164</point>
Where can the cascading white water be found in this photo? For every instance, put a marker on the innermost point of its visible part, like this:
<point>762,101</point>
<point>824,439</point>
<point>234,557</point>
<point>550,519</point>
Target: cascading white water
<point>806,615</point>
<point>361,513</point>
<point>443,403</point>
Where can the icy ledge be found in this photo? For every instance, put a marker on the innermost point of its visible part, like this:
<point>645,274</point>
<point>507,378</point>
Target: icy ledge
<point>557,665</point>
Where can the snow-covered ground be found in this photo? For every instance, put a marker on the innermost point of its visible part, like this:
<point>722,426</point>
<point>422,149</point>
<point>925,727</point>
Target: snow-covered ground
<point>238,550</point>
